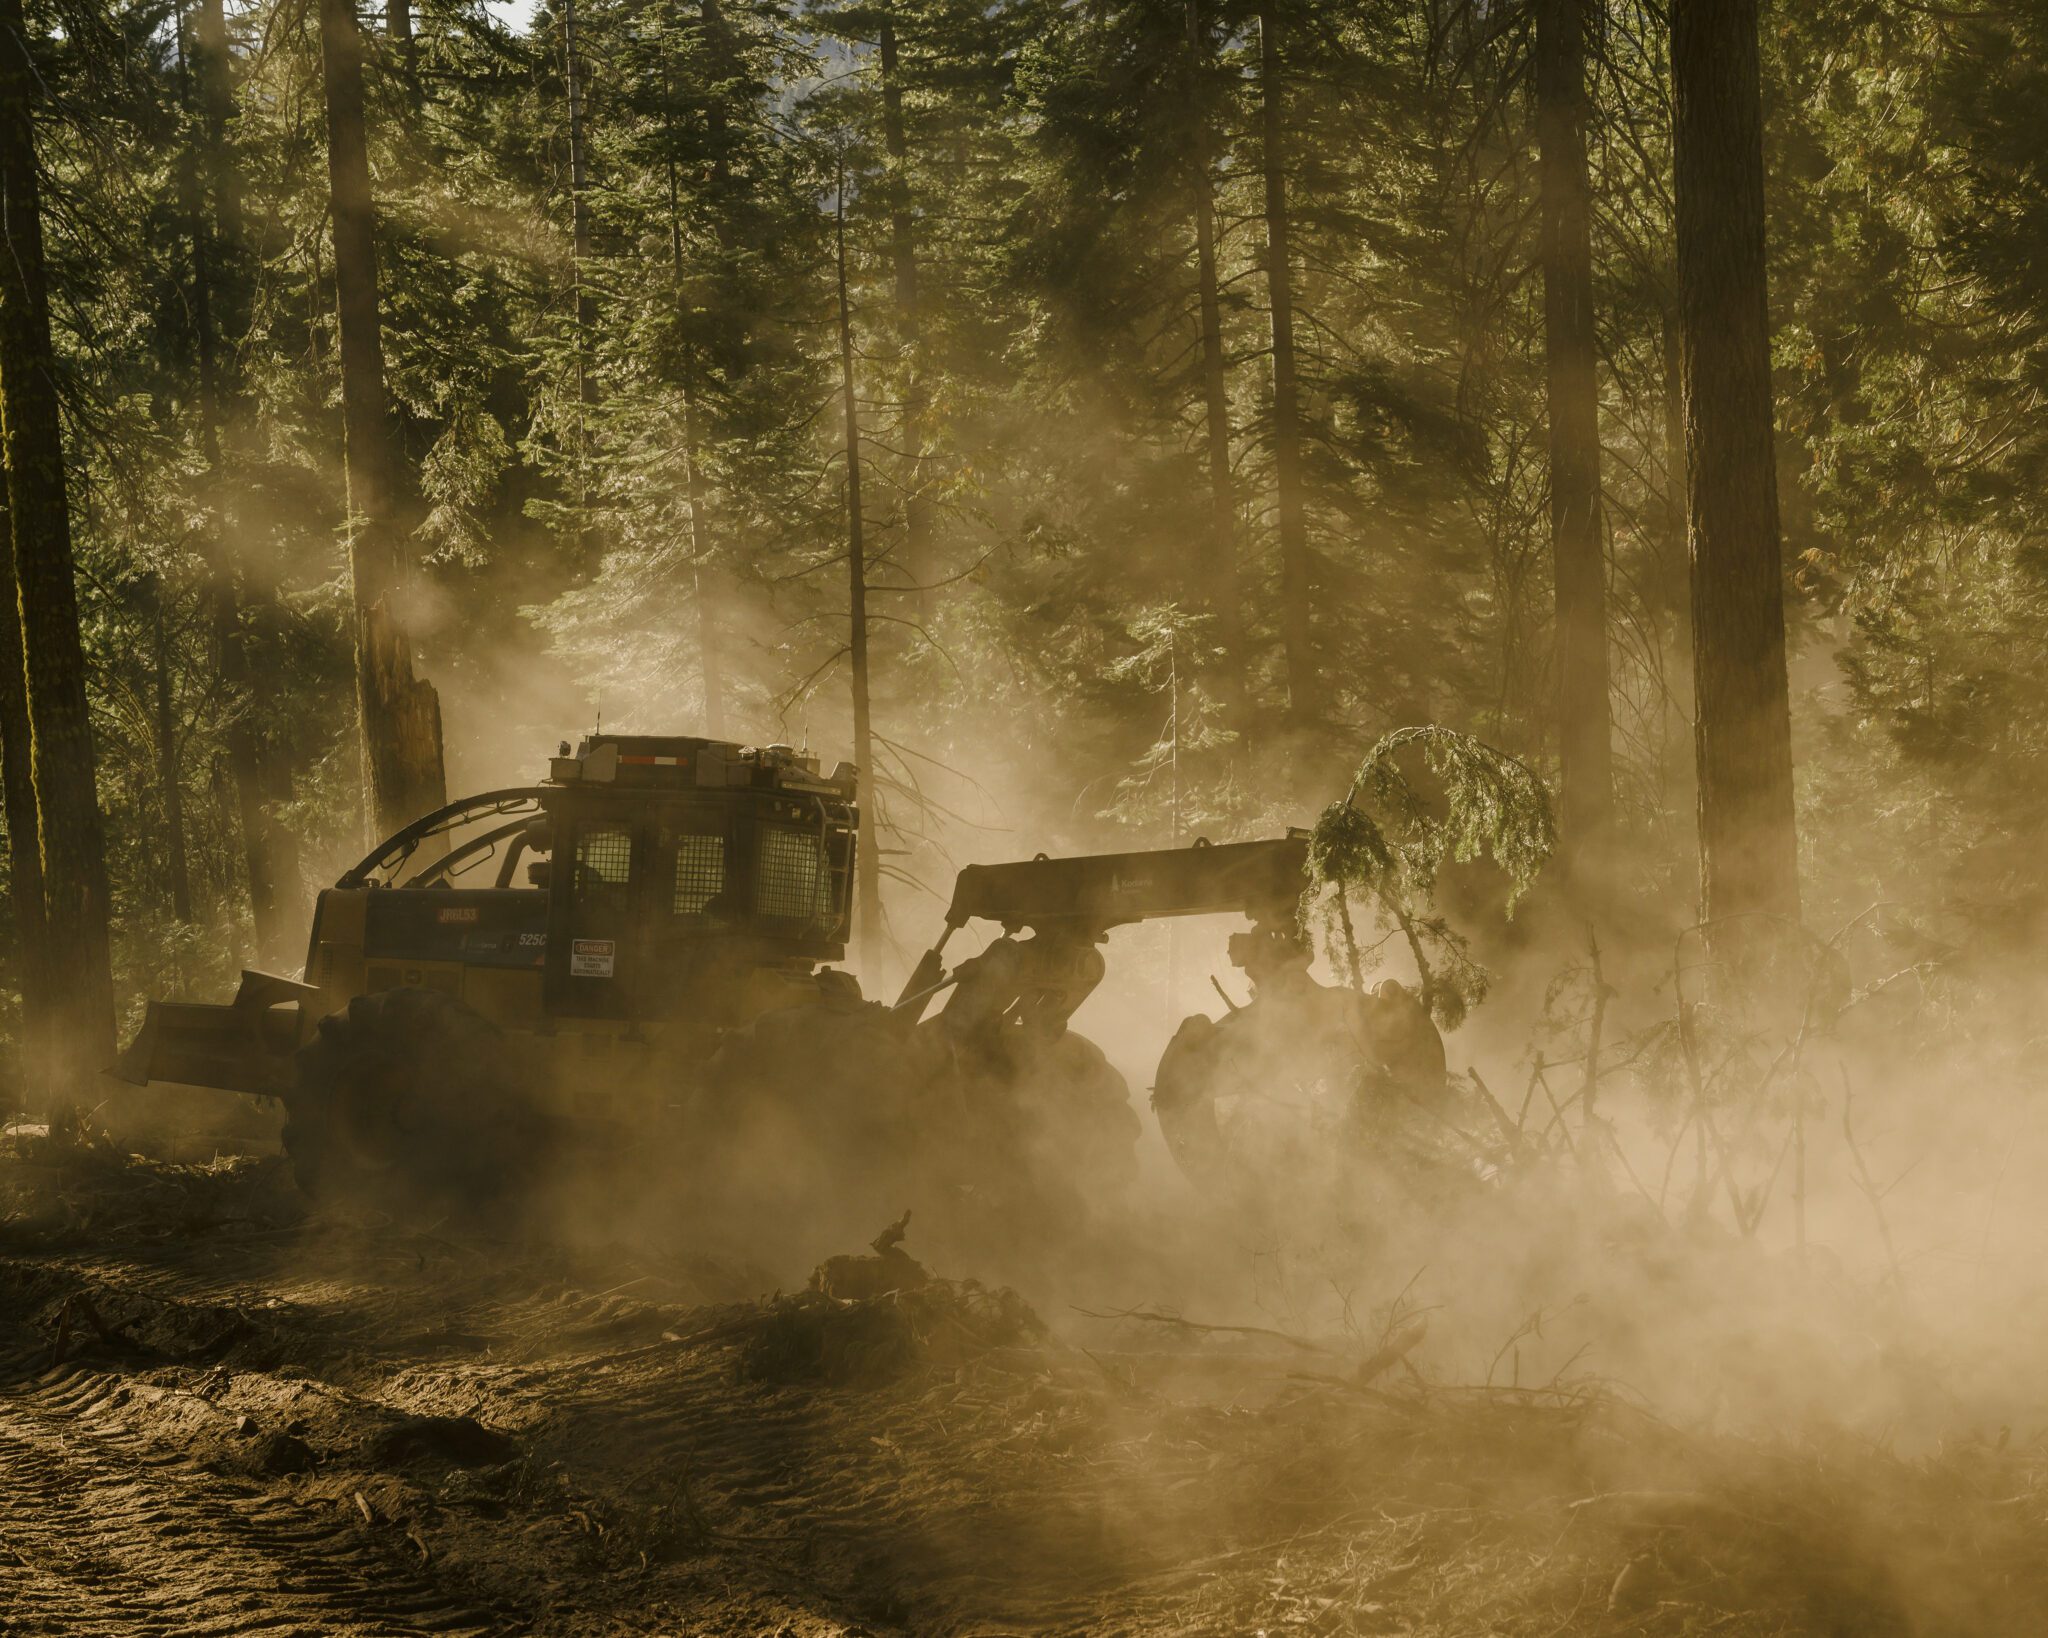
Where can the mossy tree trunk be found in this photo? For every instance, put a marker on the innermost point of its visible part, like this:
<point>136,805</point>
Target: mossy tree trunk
<point>400,713</point>
<point>1218,591</point>
<point>24,850</point>
<point>917,527</point>
<point>703,570</point>
<point>79,997</point>
<point>868,865</point>
<point>220,311</point>
<point>1749,864</point>
<point>1304,703</point>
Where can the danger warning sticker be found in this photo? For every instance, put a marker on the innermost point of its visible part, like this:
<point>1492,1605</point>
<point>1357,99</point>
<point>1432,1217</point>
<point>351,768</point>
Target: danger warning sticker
<point>593,957</point>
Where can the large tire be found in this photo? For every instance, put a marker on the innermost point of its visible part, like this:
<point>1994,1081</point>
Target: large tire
<point>410,1102</point>
<point>811,1126</point>
<point>1051,1117</point>
<point>1264,1102</point>
<point>818,1124</point>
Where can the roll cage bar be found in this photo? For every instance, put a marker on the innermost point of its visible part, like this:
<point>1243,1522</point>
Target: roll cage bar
<point>381,865</point>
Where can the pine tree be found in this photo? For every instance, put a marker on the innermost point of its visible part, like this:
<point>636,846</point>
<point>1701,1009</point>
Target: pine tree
<point>1570,345</point>
<point>1749,859</point>
<point>400,714</point>
<point>1220,577</point>
<point>868,868</point>
<point>220,313</point>
<point>1129,257</point>
<point>79,993</point>
<point>30,931</point>
<point>1297,587</point>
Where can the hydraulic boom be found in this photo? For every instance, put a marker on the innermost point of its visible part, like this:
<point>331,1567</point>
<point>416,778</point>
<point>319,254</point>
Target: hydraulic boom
<point>1070,905</point>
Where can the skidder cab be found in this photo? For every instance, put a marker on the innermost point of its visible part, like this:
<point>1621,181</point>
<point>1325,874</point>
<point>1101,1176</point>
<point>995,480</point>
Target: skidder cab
<point>681,868</point>
<point>465,1005</point>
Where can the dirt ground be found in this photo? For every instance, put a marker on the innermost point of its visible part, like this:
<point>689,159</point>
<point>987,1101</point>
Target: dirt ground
<point>220,1414</point>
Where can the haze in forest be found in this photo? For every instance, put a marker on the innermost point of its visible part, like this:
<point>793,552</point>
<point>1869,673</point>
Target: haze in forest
<point>1104,426</point>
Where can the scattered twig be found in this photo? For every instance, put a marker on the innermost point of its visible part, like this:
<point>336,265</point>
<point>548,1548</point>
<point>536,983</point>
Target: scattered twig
<point>1261,1550</point>
<point>1125,1382</point>
<point>1532,1326</point>
<point>1393,1351</point>
<point>78,1303</point>
<point>712,1333</point>
<point>1761,1196</point>
<point>1557,1121</point>
<point>1604,1128</point>
<point>1510,1130</point>
<point>1869,1188</point>
<point>1590,1093</point>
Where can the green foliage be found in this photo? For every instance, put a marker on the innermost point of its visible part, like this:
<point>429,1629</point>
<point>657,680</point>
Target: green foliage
<point>1424,798</point>
<point>1026,326</point>
<point>1186,780</point>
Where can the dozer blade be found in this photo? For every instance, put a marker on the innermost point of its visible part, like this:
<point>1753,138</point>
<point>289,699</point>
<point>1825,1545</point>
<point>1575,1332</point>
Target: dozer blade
<point>246,1046</point>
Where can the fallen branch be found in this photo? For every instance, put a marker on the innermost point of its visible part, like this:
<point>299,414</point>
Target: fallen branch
<point>79,1303</point>
<point>1393,1351</point>
<point>1154,1317</point>
<point>714,1333</point>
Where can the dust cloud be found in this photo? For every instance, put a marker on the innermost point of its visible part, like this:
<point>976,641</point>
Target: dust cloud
<point>1740,1300</point>
<point>1811,1217</point>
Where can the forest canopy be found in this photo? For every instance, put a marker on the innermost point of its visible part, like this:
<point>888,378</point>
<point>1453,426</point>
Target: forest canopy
<point>1103,421</point>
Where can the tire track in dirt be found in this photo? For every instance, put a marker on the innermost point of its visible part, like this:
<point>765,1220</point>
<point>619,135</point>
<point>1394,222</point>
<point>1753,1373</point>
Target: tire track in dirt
<point>103,1536</point>
<point>935,1498</point>
<point>996,1495</point>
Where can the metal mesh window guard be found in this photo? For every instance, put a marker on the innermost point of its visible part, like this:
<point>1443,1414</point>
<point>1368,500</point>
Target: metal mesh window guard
<point>700,873</point>
<point>791,879</point>
<point>604,855</point>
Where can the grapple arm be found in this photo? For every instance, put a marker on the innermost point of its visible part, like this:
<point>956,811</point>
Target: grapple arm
<point>1071,904</point>
<point>1099,891</point>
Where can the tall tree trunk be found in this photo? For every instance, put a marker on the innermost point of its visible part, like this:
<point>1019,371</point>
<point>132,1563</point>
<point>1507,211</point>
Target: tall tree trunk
<point>575,75</point>
<point>917,555</point>
<point>1218,571</point>
<point>1303,700</point>
<point>1585,735</point>
<point>703,572</point>
<point>709,649</point>
<point>729,312</point>
<point>401,714</point>
<point>269,854</point>
<point>24,851</point>
<point>170,787</point>
<point>1674,595</point>
<point>1743,736</point>
<point>1674,431</point>
<point>68,832</point>
<point>868,868</point>
<point>722,50</point>
<point>398,24</point>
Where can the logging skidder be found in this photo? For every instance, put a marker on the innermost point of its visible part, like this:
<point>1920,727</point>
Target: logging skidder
<point>632,965</point>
